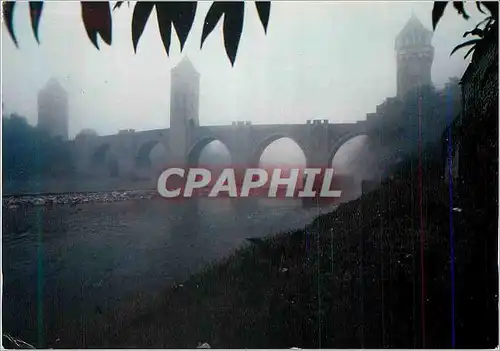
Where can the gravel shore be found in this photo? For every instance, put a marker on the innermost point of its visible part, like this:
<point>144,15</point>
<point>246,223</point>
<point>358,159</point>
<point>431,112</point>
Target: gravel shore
<point>29,200</point>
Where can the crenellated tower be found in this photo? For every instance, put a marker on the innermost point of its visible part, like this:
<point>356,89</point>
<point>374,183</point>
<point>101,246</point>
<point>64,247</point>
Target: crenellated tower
<point>184,107</point>
<point>415,55</point>
<point>53,109</point>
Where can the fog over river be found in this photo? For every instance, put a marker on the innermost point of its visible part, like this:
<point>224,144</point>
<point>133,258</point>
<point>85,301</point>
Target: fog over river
<point>63,263</point>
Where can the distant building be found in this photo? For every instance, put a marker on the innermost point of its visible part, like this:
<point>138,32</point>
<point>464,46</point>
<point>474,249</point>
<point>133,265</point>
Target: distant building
<point>53,109</point>
<point>415,54</point>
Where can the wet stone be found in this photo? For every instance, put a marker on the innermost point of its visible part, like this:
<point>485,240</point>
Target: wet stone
<point>14,202</point>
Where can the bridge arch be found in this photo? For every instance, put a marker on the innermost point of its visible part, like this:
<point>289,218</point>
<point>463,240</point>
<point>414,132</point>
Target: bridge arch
<point>100,154</point>
<point>143,154</point>
<point>196,150</point>
<point>356,163</point>
<point>268,141</point>
<point>342,141</point>
<point>104,162</point>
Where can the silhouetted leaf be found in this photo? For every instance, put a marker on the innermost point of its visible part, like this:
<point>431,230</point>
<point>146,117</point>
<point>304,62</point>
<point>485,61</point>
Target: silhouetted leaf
<point>478,5</point>
<point>212,18</point>
<point>233,24</point>
<point>181,15</point>
<point>142,10</point>
<point>459,6</point>
<point>264,9</point>
<point>475,31</point>
<point>467,43</point>
<point>97,20</point>
<point>489,21</point>
<point>35,13</point>
<point>437,12</point>
<point>119,4</point>
<point>183,20</point>
<point>165,24</point>
<point>492,7</point>
<point>8,17</point>
<point>470,50</point>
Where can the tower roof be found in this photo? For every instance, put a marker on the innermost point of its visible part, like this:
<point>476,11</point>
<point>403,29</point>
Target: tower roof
<point>185,67</point>
<point>53,85</point>
<point>413,34</point>
<point>53,82</point>
<point>413,25</point>
<point>52,89</point>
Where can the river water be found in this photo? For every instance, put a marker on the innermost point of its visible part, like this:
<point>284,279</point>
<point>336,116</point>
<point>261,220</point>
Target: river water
<point>61,263</point>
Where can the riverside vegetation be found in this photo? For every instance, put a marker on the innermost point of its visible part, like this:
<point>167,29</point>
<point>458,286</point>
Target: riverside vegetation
<point>352,278</point>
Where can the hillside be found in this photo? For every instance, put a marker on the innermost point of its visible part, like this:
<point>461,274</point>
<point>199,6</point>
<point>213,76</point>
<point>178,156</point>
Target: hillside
<point>350,279</point>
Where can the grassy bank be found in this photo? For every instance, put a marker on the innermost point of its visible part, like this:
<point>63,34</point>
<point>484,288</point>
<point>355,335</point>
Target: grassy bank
<point>352,278</point>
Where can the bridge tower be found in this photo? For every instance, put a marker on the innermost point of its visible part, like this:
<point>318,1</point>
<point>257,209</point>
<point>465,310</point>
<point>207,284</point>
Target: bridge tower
<point>184,108</point>
<point>415,54</point>
<point>53,109</point>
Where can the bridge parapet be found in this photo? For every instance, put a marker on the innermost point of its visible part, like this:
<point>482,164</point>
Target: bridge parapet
<point>126,131</point>
<point>241,123</point>
<point>317,122</point>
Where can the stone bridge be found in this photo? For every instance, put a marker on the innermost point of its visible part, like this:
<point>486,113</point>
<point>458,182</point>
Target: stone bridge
<point>126,154</point>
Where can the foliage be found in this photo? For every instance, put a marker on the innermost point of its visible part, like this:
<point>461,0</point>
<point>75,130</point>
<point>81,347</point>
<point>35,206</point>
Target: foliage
<point>97,20</point>
<point>420,119</point>
<point>13,343</point>
<point>28,152</point>
<point>485,30</point>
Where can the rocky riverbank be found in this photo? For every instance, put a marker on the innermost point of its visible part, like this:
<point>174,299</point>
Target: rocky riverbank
<point>72,199</point>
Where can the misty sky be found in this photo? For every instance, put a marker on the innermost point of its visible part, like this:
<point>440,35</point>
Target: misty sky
<point>327,60</point>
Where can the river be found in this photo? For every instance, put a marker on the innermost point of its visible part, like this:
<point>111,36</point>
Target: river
<point>62,263</point>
